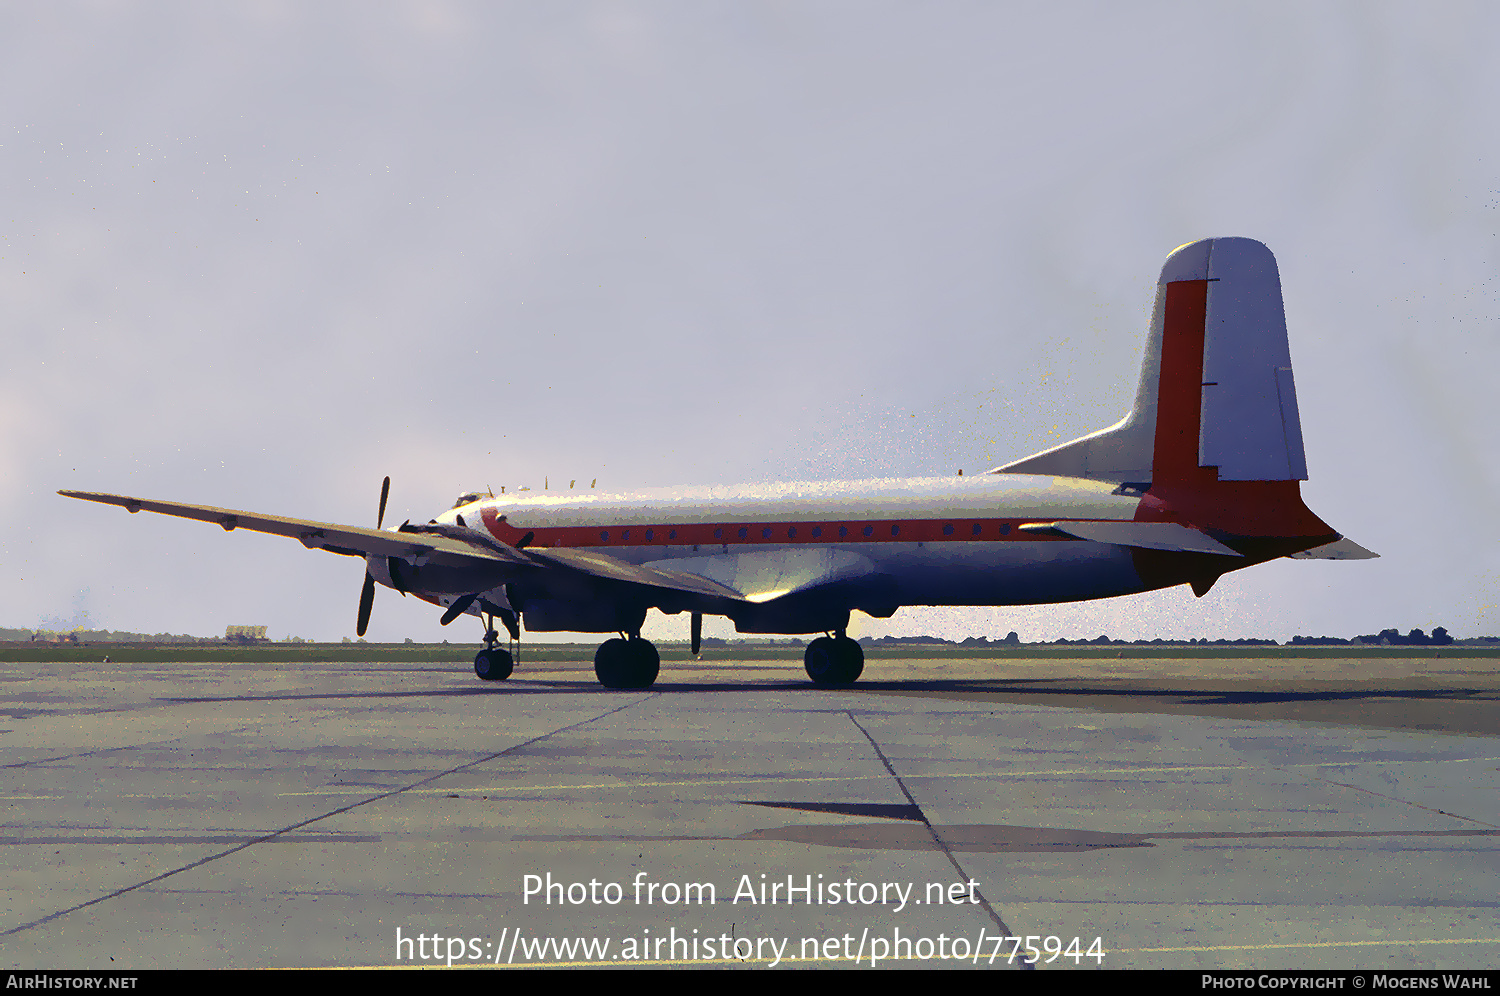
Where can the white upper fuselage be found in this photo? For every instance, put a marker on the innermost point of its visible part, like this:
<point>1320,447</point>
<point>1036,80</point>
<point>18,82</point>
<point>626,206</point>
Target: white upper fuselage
<point>936,541</point>
<point>995,496</point>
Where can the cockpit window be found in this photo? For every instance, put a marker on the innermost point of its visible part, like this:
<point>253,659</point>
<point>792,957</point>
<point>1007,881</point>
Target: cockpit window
<point>469,498</point>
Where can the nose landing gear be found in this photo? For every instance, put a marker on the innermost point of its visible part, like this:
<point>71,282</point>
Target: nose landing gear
<point>496,663</point>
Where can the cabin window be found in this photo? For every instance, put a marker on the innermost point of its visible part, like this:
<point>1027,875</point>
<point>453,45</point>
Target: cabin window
<point>869,530</point>
<point>650,535</point>
<point>791,532</point>
<point>817,531</point>
<point>843,531</point>
<point>976,529</point>
<point>604,536</point>
<point>744,532</point>
<point>948,529</point>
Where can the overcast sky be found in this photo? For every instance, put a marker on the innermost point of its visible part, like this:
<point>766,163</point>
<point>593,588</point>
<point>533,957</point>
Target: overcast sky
<point>260,255</point>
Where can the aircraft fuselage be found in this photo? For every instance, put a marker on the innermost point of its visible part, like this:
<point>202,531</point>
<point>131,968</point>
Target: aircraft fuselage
<point>909,541</point>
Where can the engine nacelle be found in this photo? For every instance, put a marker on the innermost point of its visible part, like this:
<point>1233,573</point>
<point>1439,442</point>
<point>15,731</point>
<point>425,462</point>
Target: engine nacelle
<point>437,577</point>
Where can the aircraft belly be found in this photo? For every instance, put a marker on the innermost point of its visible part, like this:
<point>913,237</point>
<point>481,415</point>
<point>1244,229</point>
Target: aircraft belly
<point>1016,573</point>
<point>761,575</point>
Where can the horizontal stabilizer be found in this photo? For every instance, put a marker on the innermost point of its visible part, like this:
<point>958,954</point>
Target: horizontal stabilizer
<point>1143,535</point>
<point>1342,548</point>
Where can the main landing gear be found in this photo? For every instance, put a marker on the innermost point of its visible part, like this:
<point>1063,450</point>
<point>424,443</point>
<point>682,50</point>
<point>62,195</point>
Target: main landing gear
<point>833,661</point>
<point>627,663</point>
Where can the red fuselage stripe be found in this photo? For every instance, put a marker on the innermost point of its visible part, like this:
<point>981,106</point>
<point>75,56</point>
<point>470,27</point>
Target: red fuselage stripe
<point>777,533</point>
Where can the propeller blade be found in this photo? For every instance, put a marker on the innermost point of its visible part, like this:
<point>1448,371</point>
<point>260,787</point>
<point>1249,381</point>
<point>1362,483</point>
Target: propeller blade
<point>697,632</point>
<point>512,624</point>
<point>457,609</point>
<point>385,492</point>
<point>366,602</point>
<point>511,620</point>
<point>393,565</point>
<point>525,541</point>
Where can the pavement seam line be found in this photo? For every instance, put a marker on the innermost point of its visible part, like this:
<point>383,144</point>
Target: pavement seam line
<point>107,750</point>
<point>298,826</point>
<point>1392,798</point>
<point>936,837</point>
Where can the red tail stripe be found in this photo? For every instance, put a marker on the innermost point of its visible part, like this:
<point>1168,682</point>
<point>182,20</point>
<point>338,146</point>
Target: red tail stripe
<point>1179,396</point>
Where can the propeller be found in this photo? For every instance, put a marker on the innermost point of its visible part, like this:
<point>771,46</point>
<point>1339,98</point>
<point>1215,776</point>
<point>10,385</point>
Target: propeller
<point>461,605</point>
<point>457,608</point>
<point>367,594</point>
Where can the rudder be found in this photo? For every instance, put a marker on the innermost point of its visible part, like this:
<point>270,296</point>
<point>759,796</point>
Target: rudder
<point>1216,389</point>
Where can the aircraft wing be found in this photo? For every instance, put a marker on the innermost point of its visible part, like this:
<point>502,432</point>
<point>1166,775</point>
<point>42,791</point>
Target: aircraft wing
<point>449,543</point>
<point>353,541</point>
<point>601,565</point>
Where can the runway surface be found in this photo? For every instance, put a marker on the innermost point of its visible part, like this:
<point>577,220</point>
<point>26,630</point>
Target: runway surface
<point>1260,813</point>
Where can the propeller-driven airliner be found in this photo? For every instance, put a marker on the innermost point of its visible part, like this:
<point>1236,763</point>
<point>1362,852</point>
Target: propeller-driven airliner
<point>1199,479</point>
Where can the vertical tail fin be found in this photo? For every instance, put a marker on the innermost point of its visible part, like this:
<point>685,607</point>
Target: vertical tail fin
<point>1249,429</point>
<point>1216,390</point>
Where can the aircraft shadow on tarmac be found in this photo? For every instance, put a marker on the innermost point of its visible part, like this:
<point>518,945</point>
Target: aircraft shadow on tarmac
<point>1028,687</point>
<point>906,828</point>
<point>1464,711</point>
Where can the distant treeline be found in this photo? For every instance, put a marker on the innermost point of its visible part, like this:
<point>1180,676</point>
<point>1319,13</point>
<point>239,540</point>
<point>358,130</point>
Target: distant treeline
<point>98,636</point>
<point>1385,638</point>
<point>115,636</point>
<point>1098,641</point>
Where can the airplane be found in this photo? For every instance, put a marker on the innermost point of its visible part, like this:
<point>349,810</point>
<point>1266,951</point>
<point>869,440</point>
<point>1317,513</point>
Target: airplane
<point>1202,477</point>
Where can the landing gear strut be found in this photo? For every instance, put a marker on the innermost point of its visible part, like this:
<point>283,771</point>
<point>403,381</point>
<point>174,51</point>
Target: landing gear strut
<point>493,663</point>
<point>833,661</point>
<point>627,663</point>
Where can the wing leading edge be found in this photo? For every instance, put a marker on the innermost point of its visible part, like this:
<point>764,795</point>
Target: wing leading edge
<point>353,541</point>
